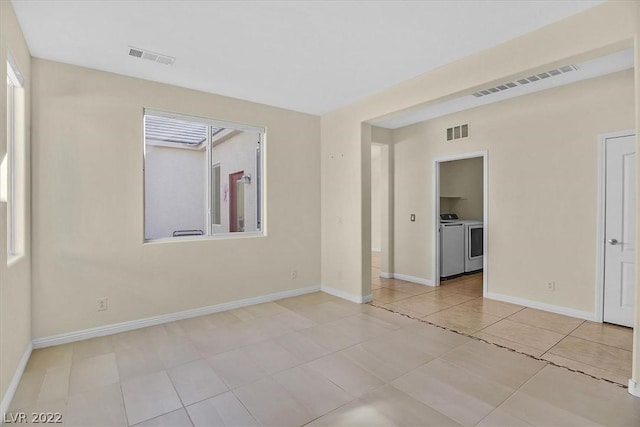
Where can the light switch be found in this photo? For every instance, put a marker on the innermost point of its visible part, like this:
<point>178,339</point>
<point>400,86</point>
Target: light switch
<point>413,217</point>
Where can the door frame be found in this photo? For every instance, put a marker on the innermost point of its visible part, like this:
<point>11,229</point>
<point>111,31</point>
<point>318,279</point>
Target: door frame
<point>600,225</point>
<point>435,203</point>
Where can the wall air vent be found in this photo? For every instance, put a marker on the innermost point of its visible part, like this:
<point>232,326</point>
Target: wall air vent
<point>526,81</point>
<point>151,56</point>
<point>457,132</point>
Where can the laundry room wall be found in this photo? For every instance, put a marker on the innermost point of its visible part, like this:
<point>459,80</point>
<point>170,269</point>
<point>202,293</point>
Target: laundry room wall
<point>542,168</point>
<point>461,188</point>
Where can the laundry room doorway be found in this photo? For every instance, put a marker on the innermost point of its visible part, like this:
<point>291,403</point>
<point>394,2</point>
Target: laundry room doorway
<point>460,219</point>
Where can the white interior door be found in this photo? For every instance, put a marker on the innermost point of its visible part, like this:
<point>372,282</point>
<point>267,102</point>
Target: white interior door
<point>620,224</point>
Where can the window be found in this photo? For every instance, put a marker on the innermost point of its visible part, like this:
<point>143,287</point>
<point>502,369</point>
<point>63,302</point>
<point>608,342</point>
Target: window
<point>201,177</point>
<point>13,164</point>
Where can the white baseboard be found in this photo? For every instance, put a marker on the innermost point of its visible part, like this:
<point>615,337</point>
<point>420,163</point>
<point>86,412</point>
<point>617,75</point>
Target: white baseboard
<point>13,386</point>
<point>586,315</point>
<point>386,275</point>
<point>376,250</point>
<point>344,295</point>
<point>164,318</point>
<point>412,279</point>
<point>634,388</point>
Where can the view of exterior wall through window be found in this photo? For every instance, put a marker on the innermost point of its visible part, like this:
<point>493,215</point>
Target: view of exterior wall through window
<point>201,177</point>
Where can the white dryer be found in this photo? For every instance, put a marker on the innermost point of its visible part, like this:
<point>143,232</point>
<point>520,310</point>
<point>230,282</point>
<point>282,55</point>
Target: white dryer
<point>473,245</point>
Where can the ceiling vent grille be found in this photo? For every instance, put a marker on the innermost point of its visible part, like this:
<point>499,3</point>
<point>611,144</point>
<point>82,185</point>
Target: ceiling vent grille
<point>526,81</point>
<point>151,56</point>
<point>457,132</point>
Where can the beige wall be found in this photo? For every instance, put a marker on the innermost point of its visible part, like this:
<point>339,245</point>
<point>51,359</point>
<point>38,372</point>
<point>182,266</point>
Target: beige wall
<point>345,171</point>
<point>15,280</point>
<point>376,197</point>
<point>461,185</point>
<point>542,164</point>
<point>87,210</point>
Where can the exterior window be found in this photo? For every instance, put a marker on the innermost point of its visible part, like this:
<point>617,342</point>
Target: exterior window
<point>201,177</point>
<point>12,168</point>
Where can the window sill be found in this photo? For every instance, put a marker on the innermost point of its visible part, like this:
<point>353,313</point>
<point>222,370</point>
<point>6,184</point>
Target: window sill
<point>221,236</point>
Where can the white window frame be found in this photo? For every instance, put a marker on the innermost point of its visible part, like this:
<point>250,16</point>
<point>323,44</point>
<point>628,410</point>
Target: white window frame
<point>261,131</point>
<point>15,147</point>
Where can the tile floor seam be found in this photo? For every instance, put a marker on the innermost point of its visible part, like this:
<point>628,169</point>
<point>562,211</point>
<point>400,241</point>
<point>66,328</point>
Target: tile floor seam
<point>198,401</point>
<point>430,314</point>
<point>184,407</point>
<point>243,405</point>
<point>586,339</point>
<point>401,299</point>
<point>126,415</point>
<point>507,348</point>
<point>584,363</point>
<point>540,327</point>
<point>598,342</point>
<point>189,415</point>
<point>334,409</point>
<point>515,312</point>
<point>515,391</point>
<point>338,385</point>
<point>482,329</point>
<point>298,401</point>
<point>469,372</point>
<point>574,329</point>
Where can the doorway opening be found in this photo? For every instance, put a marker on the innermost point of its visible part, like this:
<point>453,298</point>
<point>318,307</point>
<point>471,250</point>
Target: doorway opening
<point>460,217</point>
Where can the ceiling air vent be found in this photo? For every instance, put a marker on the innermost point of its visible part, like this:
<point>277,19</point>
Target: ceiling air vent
<point>457,132</point>
<point>151,56</point>
<point>526,81</point>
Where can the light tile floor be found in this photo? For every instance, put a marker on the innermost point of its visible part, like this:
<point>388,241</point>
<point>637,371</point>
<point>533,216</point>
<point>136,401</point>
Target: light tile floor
<point>600,350</point>
<point>316,360</point>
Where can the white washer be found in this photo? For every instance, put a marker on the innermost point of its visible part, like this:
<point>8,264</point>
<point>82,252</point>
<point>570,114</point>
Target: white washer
<point>473,245</point>
<point>452,253</point>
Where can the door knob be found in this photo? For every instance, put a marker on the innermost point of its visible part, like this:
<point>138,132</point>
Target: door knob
<point>613,242</point>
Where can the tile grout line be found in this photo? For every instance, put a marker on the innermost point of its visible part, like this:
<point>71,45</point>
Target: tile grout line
<point>540,327</point>
<point>514,392</point>
<point>242,403</point>
<point>573,330</point>
<point>597,342</point>
<point>126,415</point>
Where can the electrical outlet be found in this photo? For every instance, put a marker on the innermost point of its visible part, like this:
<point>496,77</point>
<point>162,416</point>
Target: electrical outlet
<point>102,304</point>
<point>294,274</point>
<point>551,286</point>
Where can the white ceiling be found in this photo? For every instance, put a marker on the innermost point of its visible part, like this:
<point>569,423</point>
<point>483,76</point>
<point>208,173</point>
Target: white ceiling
<point>309,56</point>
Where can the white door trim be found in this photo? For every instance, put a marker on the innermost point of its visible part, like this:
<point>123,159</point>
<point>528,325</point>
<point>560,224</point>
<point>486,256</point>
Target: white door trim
<point>600,227</point>
<point>435,203</point>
